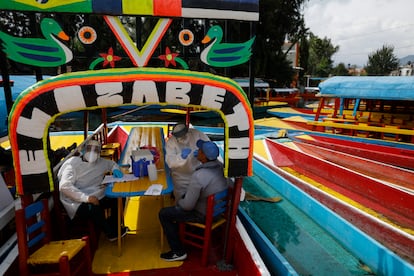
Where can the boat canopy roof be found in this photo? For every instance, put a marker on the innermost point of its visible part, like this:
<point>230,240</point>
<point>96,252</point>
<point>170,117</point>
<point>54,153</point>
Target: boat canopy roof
<point>369,87</point>
<point>245,10</point>
<point>245,83</point>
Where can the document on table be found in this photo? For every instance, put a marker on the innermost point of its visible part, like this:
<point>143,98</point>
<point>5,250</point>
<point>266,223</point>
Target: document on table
<point>154,189</point>
<point>125,178</point>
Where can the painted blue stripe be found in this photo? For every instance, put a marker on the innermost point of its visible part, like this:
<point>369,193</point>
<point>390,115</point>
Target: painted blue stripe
<point>235,5</point>
<point>40,57</point>
<point>274,261</point>
<point>42,48</point>
<point>371,252</point>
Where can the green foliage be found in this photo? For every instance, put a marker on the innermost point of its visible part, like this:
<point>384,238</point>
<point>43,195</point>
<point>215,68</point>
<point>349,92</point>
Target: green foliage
<point>340,70</point>
<point>320,61</point>
<point>278,19</point>
<point>382,61</point>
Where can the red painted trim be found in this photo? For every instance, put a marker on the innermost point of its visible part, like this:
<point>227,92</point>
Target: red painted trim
<point>390,155</point>
<point>401,243</point>
<point>364,190</point>
<point>167,7</point>
<point>379,170</point>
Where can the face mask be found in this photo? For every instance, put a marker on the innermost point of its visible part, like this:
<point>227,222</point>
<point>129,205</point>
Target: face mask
<point>91,156</point>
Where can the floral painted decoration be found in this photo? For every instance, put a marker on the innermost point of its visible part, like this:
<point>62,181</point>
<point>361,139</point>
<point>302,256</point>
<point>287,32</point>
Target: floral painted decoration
<point>107,58</point>
<point>172,58</point>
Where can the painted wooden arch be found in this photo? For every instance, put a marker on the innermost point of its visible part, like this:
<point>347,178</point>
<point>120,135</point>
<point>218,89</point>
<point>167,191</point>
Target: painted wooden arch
<point>40,104</point>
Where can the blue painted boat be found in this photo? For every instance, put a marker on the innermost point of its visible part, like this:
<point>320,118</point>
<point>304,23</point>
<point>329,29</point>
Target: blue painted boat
<point>380,107</point>
<point>380,259</point>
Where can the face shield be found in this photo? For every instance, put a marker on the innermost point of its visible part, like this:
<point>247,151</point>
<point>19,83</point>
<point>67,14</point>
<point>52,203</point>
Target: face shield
<point>92,151</point>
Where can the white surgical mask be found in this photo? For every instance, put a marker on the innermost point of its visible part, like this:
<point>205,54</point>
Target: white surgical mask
<point>91,156</point>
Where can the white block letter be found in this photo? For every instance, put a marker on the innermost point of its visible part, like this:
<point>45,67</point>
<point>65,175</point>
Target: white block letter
<point>239,148</point>
<point>34,126</point>
<point>108,93</point>
<point>144,90</point>
<point>69,98</point>
<point>176,92</point>
<point>213,97</point>
<point>238,118</point>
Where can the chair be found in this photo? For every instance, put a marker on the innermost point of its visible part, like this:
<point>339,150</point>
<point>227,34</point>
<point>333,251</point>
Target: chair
<point>390,136</point>
<point>113,146</point>
<point>109,154</point>
<point>38,255</point>
<point>73,228</point>
<point>217,205</point>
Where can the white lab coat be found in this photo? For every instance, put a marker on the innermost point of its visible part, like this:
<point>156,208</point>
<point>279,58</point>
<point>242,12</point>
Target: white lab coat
<point>79,179</point>
<point>182,169</point>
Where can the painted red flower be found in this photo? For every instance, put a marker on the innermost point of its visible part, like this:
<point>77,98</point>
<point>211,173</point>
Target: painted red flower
<point>168,57</point>
<point>109,58</point>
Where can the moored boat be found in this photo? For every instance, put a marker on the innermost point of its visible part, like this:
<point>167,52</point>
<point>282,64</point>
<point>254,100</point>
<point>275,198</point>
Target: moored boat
<point>37,107</point>
<point>393,154</point>
<point>381,107</point>
<point>356,197</point>
<point>395,176</point>
<point>340,218</point>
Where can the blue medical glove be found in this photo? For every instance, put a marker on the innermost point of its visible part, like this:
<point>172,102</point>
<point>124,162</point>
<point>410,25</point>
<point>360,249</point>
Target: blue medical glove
<point>185,152</point>
<point>195,153</point>
<point>117,173</point>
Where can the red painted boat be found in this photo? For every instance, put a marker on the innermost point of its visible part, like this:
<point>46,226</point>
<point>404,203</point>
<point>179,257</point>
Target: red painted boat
<point>396,156</point>
<point>378,209</point>
<point>389,174</point>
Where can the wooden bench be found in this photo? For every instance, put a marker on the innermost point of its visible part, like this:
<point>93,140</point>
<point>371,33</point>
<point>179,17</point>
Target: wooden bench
<point>358,127</point>
<point>339,120</point>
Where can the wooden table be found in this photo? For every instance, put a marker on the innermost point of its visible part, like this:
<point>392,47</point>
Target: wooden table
<point>137,187</point>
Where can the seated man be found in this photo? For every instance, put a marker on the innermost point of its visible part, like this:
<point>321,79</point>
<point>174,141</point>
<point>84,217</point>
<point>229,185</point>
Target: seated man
<point>207,179</point>
<point>82,192</point>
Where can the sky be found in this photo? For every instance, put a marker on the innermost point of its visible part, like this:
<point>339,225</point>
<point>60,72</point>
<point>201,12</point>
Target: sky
<point>361,27</point>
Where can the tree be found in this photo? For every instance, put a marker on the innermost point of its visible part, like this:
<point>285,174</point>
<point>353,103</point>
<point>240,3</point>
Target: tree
<point>320,61</point>
<point>340,70</point>
<point>382,61</point>
<point>278,19</point>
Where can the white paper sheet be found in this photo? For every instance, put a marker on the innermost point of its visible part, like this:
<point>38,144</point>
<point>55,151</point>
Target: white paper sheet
<point>154,189</point>
<point>125,178</point>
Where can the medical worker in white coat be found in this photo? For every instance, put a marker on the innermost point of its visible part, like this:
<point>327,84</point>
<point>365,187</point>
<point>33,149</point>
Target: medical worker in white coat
<point>181,156</point>
<point>81,190</point>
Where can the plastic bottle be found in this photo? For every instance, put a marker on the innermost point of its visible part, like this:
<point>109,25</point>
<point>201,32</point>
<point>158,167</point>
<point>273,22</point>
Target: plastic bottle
<point>152,172</point>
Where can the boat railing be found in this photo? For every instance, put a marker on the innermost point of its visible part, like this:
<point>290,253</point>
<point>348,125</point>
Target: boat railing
<point>8,247</point>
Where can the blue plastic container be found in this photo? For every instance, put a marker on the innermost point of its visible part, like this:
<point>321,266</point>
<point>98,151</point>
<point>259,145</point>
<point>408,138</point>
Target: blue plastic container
<point>139,167</point>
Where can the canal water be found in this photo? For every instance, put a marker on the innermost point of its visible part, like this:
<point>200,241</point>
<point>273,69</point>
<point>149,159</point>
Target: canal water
<point>308,248</point>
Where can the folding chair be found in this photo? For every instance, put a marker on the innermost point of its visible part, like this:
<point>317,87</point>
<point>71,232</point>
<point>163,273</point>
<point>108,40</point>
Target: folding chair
<point>38,255</point>
<point>217,205</point>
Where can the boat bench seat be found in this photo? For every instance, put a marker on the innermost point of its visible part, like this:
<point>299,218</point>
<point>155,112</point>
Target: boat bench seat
<point>358,127</point>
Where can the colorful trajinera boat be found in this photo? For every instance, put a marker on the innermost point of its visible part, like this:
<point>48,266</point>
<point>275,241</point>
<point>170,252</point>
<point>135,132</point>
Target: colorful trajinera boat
<point>374,203</point>
<point>381,107</point>
<point>37,107</point>
<point>369,107</point>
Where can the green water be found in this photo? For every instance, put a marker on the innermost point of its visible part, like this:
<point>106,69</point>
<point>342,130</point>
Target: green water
<point>305,245</point>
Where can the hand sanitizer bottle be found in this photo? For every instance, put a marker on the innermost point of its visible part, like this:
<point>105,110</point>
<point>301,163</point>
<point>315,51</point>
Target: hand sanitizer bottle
<point>152,172</point>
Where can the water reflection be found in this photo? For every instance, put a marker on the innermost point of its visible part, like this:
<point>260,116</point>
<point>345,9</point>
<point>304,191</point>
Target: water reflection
<point>279,226</point>
<point>308,248</point>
